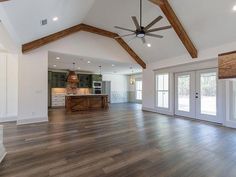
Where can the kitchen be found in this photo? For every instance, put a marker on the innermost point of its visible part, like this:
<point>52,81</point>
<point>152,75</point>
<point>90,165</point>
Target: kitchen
<point>80,84</point>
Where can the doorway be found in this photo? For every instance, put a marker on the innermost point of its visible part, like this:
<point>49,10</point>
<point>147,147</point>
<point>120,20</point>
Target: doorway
<point>196,95</point>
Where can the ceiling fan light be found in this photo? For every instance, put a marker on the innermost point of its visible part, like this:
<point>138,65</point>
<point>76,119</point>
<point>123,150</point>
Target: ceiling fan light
<point>141,35</point>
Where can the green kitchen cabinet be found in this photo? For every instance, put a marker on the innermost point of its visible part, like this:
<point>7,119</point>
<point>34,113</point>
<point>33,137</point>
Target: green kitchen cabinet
<point>85,81</point>
<point>96,77</point>
<point>58,80</point>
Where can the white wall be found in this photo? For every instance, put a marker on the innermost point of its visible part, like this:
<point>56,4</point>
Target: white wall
<point>119,87</point>
<point>207,59</point>
<point>33,87</point>
<point>33,66</point>
<point>2,148</point>
<point>8,87</point>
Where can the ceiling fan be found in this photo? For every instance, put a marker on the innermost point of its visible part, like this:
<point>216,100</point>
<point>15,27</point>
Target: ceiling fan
<point>142,31</point>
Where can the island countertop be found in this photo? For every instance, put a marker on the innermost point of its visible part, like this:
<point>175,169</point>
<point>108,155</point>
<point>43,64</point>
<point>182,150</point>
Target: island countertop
<point>84,95</point>
<point>76,103</point>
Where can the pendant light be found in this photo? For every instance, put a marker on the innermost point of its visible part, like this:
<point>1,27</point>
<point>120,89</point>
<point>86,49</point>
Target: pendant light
<point>132,78</point>
<point>72,77</point>
<point>100,69</point>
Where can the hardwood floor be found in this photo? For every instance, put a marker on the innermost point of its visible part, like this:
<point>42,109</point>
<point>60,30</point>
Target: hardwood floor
<point>120,142</point>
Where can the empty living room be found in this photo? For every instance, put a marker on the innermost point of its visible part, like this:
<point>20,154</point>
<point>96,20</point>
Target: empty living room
<point>117,88</point>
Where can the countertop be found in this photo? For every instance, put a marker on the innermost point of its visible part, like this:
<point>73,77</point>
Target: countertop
<point>78,95</point>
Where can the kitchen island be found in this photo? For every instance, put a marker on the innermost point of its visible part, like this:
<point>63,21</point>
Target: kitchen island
<point>76,103</point>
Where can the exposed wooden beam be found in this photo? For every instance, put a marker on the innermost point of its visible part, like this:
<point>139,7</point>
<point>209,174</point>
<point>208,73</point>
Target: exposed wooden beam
<point>48,39</point>
<point>131,52</point>
<point>4,0</point>
<point>102,32</point>
<point>176,24</point>
<point>81,27</point>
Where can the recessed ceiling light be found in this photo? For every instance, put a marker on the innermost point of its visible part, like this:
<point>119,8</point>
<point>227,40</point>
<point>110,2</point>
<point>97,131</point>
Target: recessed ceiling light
<point>55,19</point>
<point>54,65</point>
<point>78,67</point>
<point>234,8</point>
<point>112,65</point>
<point>149,45</point>
<point>89,62</point>
<point>58,58</point>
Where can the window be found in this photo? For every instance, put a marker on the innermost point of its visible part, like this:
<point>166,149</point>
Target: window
<point>162,91</point>
<point>138,89</point>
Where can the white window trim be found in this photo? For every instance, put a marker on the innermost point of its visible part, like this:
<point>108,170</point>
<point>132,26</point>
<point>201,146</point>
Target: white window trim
<point>170,110</point>
<point>138,79</point>
<point>229,122</point>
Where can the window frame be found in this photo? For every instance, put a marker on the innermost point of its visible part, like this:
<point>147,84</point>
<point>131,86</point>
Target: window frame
<point>136,90</point>
<point>158,91</point>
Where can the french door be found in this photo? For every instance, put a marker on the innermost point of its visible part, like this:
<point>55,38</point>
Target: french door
<point>196,95</point>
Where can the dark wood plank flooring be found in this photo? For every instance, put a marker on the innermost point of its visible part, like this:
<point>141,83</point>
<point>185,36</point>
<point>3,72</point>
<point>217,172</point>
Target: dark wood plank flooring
<point>120,142</point>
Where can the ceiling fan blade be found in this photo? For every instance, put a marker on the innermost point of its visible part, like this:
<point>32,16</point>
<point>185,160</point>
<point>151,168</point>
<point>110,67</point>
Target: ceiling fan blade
<point>154,35</point>
<point>124,29</point>
<point>136,23</point>
<point>153,23</point>
<point>159,29</point>
<point>124,36</point>
<point>144,40</point>
<point>131,39</point>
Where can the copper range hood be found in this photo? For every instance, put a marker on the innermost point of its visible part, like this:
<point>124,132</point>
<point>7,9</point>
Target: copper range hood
<point>72,77</point>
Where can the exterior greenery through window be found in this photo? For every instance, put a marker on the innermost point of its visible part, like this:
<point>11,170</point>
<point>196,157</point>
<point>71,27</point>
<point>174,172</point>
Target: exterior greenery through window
<point>138,89</point>
<point>162,91</point>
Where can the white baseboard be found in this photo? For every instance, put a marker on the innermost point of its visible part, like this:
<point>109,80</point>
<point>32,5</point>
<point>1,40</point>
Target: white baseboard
<point>230,124</point>
<point>157,111</point>
<point>8,119</point>
<point>2,156</point>
<point>31,120</point>
<point>149,109</point>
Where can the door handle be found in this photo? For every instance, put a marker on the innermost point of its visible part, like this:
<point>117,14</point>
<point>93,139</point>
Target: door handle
<point>196,95</point>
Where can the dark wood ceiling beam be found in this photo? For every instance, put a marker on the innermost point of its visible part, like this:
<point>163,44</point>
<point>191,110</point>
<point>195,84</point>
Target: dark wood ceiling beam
<point>177,26</point>
<point>82,27</point>
<point>51,38</point>
<point>131,52</point>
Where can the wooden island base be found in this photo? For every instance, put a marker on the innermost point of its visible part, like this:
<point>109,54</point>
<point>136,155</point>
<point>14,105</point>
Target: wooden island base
<point>75,103</point>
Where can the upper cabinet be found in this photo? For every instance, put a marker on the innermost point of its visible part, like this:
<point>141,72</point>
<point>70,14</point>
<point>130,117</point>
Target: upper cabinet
<point>58,80</point>
<point>96,77</point>
<point>85,81</point>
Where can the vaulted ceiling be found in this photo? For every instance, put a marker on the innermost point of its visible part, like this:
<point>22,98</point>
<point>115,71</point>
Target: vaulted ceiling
<point>209,23</point>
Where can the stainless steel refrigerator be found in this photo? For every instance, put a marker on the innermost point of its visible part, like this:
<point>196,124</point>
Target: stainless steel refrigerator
<point>106,89</point>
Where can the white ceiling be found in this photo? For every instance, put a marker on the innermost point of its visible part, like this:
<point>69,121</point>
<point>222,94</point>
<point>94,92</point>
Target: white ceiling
<point>25,16</point>
<point>81,64</point>
<point>209,23</point>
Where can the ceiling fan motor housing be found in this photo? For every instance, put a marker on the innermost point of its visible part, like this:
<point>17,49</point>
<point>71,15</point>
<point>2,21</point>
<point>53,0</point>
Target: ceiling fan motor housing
<point>140,33</point>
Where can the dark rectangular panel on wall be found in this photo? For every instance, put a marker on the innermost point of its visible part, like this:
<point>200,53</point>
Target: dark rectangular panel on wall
<point>58,80</point>
<point>85,81</point>
<point>227,65</point>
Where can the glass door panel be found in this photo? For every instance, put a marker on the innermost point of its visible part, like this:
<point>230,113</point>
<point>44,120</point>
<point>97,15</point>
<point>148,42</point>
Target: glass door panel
<point>206,95</point>
<point>184,97</point>
<point>184,93</point>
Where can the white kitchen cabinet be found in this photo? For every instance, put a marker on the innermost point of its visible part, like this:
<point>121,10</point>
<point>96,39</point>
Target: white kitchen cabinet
<point>58,100</point>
